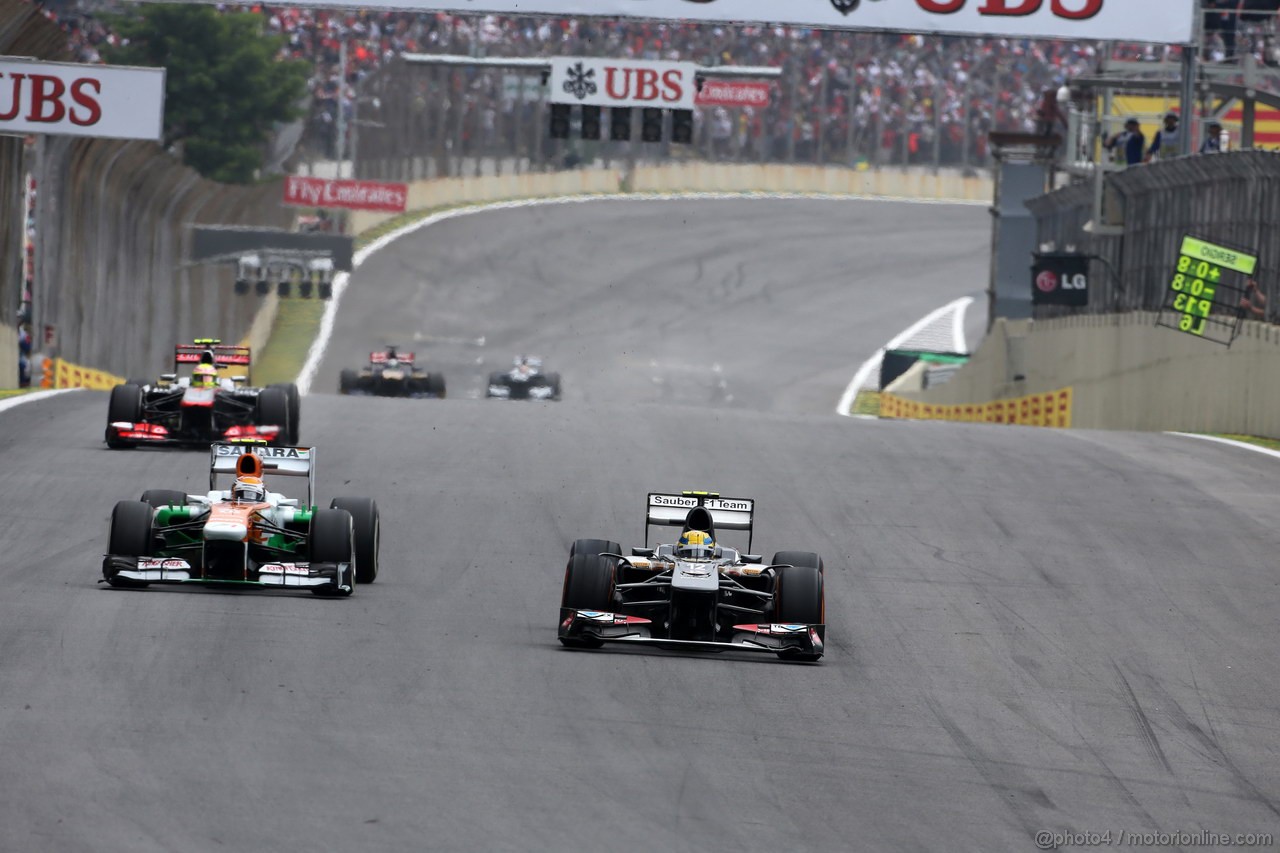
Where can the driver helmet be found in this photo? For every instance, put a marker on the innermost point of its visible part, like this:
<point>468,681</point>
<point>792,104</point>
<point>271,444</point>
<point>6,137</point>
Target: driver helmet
<point>249,489</point>
<point>204,376</point>
<point>696,545</point>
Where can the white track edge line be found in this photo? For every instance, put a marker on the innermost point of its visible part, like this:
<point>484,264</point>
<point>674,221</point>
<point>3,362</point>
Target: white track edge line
<point>315,354</point>
<point>859,379</point>
<point>34,396</point>
<point>1243,445</point>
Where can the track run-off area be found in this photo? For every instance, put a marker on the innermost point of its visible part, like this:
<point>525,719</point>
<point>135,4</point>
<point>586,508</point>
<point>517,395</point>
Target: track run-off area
<point>1029,630</point>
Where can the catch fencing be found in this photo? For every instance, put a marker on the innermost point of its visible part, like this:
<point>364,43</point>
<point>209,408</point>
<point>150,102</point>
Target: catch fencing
<point>411,121</point>
<point>1230,198</point>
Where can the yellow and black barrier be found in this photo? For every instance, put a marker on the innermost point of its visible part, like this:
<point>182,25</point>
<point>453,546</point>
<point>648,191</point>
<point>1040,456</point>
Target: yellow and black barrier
<point>1051,409</point>
<point>59,373</point>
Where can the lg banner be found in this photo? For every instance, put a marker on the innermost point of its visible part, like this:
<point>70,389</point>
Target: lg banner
<point>71,99</point>
<point>1159,21</point>
<point>623,83</point>
<point>353,195</point>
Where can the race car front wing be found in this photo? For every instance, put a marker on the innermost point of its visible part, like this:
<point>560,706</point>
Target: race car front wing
<point>596,627</point>
<point>133,571</point>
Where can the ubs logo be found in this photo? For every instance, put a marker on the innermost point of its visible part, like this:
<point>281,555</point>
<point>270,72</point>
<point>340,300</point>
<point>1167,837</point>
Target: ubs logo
<point>844,7</point>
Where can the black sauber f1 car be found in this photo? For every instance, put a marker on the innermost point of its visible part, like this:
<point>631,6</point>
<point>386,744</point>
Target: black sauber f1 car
<point>392,374</point>
<point>202,406</point>
<point>695,594</point>
<point>245,536</point>
<point>526,380</point>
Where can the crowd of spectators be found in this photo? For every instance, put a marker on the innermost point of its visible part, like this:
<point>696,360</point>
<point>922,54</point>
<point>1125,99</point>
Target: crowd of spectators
<point>881,97</point>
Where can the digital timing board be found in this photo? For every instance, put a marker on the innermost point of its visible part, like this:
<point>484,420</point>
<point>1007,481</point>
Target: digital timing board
<point>1204,294</point>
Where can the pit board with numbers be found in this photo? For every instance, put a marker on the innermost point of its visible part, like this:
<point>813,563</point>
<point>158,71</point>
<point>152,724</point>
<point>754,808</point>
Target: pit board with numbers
<point>1204,293</point>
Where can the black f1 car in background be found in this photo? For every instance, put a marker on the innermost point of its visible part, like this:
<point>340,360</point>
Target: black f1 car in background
<point>205,405</point>
<point>694,594</point>
<point>245,535</point>
<point>392,374</point>
<point>524,381</point>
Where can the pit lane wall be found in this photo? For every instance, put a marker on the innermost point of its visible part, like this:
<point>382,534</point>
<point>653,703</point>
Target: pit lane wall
<point>1124,372</point>
<point>943,185</point>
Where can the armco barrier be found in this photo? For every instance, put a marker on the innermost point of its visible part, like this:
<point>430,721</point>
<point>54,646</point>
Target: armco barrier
<point>1127,373</point>
<point>691,177</point>
<point>1052,409</point>
<point>58,373</point>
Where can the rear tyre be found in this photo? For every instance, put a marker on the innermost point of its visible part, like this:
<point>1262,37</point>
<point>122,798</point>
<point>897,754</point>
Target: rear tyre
<point>494,379</point>
<point>273,410</point>
<point>367,530</point>
<point>593,547</point>
<point>157,498</point>
<point>347,381</point>
<point>553,381</point>
<point>799,599</point>
<point>125,405</point>
<point>331,535</point>
<point>798,558</point>
<point>435,385</point>
<point>588,585</point>
<point>131,536</point>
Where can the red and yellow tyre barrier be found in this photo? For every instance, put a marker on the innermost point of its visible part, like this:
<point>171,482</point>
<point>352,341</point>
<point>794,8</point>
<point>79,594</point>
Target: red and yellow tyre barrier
<point>1051,409</point>
<point>58,373</point>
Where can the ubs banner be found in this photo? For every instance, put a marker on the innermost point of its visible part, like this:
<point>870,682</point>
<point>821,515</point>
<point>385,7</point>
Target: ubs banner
<point>74,99</point>
<point>1158,21</point>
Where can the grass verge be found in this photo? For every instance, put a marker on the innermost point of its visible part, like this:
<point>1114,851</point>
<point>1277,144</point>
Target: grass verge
<point>1269,443</point>
<point>297,321</point>
<point>13,392</point>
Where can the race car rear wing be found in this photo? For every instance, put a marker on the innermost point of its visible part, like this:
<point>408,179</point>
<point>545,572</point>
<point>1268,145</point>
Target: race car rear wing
<point>224,458</point>
<point>381,357</point>
<point>671,510</point>
<point>223,355</point>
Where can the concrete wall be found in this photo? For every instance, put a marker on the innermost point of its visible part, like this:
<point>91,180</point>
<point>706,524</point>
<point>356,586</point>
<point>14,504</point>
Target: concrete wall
<point>1128,373</point>
<point>8,356</point>
<point>691,177</point>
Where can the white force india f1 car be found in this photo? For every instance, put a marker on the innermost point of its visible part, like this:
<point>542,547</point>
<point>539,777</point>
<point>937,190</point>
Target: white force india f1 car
<point>245,536</point>
<point>694,594</point>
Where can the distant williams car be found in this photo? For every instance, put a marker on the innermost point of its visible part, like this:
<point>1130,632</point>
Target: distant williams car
<point>526,380</point>
<point>695,594</point>
<point>203,406</point>
<point>392,373</point>
<point>245,535</point>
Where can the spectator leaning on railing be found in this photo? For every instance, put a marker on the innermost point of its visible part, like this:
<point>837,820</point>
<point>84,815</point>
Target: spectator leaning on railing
<point>1128,143</point>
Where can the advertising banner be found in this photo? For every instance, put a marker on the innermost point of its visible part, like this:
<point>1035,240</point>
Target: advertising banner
<point>623,82</point>
<point>1158,21</point>
<point>732,93</point>
<point>352,195</point>
<point>73,99</point>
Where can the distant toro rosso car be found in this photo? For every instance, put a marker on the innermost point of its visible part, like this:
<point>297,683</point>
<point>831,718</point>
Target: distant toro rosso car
<point>245,535</point>
<point>526,380</point>
<point>197,404</point>
<point>695,593</point>
<point>392,373</point>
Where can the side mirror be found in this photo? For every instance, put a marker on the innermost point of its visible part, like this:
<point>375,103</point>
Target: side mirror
<point>754,559</point>
<point>168,377</point>
<point>642,552</point>
<point>240,379</point>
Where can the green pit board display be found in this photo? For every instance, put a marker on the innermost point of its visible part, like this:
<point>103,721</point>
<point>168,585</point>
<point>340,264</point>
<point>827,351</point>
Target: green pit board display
<point>1204,293</point>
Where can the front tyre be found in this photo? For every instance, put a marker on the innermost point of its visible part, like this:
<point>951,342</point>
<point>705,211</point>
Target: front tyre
<point>367,530</point>
<point>272,409</point>
<point>798,558</point>
<point>157,498</point>
<point>588,585</point>
<point>125,405</point>
<point>799,599</point>
<point>594,546</point>
<point>331,542</point>
<point>131,536</point>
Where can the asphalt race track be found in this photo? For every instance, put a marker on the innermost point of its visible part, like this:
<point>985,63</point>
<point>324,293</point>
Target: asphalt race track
<point>1029,629</point>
